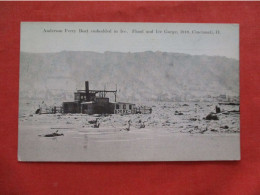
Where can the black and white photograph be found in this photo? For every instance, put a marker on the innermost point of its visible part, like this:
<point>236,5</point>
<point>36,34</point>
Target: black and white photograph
<point>106,92</point>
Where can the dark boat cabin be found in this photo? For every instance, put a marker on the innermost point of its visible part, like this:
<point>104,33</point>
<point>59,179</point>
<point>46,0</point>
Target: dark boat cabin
<point>98,106</point>
<point>70,107</point>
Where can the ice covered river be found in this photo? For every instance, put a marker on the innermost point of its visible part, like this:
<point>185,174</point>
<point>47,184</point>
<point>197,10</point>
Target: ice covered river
<point>174,131</point>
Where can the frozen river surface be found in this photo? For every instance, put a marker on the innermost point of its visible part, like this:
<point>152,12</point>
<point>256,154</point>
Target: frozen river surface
<point>168,135</point>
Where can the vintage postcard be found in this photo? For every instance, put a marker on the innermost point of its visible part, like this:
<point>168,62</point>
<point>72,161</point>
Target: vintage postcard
<point>129,92</point>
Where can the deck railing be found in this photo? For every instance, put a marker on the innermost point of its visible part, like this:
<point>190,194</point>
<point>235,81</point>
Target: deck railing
<point>51,110</point>
<point>143,110</point>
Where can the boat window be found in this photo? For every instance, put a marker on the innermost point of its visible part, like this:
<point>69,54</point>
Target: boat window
<point>77,96</point>
<point>124,106</point>
<point>117,106</point>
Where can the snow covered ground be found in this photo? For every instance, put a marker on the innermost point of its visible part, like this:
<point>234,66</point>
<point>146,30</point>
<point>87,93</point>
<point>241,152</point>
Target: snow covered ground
<point>174,131</point>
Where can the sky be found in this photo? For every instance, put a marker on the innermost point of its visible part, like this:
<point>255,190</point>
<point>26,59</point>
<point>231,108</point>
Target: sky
<point>194,39</point>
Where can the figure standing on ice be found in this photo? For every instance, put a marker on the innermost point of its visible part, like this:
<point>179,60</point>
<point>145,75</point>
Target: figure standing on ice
<point>217,109</point>
<point>142,125</point>
<point>97,123</point>
<point>129,125</point>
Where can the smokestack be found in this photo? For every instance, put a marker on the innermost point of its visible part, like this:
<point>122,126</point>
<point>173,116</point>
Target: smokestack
<point>87,91</point>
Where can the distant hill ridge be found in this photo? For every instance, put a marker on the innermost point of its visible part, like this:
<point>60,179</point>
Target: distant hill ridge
<point>140,75</point>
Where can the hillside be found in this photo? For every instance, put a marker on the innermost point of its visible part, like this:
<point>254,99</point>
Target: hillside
<point>143,75</point>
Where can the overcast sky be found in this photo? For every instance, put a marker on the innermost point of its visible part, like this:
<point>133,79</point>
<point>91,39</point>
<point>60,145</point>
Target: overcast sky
<point>223,40</point>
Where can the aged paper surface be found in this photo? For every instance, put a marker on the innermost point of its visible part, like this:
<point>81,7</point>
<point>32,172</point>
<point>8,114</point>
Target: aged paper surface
<point>129,92</point>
